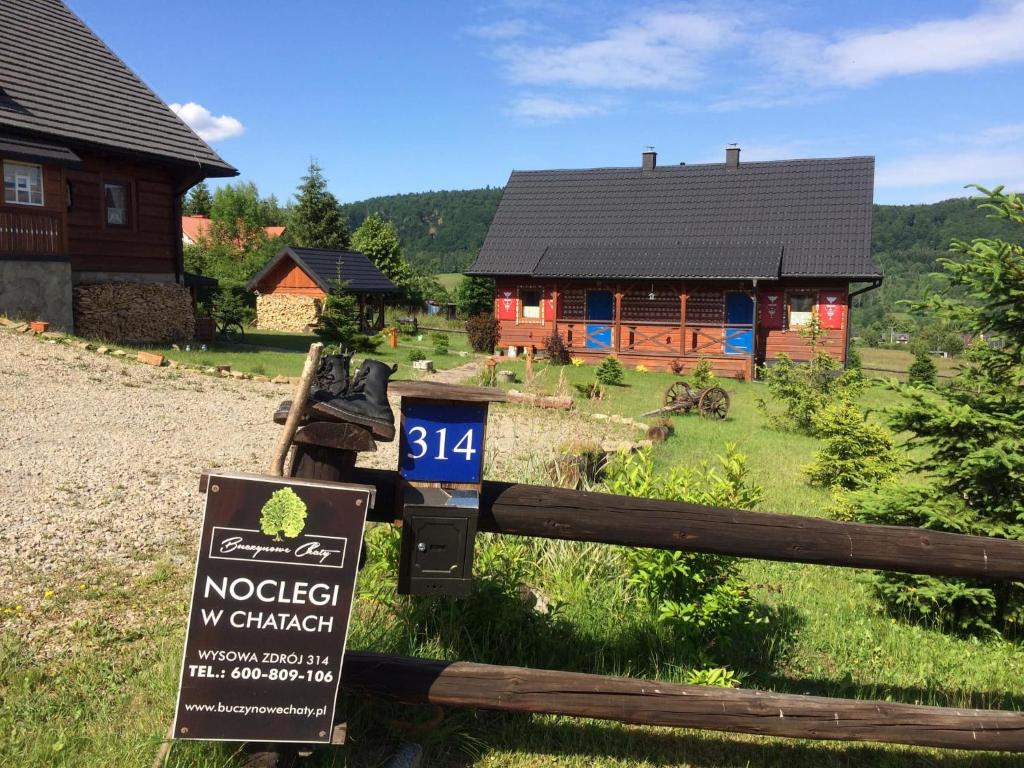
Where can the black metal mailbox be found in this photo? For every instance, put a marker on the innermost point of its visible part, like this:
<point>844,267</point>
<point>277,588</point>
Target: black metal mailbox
<point>438,531</point>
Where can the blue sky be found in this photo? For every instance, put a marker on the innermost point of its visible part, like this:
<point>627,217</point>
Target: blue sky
<point>409,96</point>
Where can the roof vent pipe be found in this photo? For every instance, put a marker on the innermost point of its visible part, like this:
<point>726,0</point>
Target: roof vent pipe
<point>732,156</point>
<point>650,159</point>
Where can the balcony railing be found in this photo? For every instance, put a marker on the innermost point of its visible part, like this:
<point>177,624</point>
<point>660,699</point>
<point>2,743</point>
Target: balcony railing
<point>30,232</point>
<point>657,338</point>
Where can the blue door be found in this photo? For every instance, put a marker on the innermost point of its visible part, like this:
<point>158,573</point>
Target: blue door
<point>601,307</point>
<point>739,324</point>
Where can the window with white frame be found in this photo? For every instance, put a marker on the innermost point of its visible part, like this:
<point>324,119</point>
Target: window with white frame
<point>116,196</point>
<point>529,301</point>
<point>801,309</point>
<point>23,183</point>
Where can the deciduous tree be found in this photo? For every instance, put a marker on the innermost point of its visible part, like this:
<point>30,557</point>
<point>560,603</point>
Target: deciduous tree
<point>377,238</point>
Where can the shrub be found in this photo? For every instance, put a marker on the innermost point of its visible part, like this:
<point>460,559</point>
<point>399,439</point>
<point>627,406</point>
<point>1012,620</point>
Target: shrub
<point>853,358</point>
<point>484,333</point>
<point>701,598</point>
<point>923,370</point>
<point>415,355</point>
<point>804,389</point>
<point>610,372</point>
<point>441,342</point>
<point>558,353</point>
<point>592,390</point>
<point>856,453</point>
<point>702,375</point>
<point>718,677</point>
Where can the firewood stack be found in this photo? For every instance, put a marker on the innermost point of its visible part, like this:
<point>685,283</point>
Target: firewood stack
<point>123,312</point>
<point>287,312</point>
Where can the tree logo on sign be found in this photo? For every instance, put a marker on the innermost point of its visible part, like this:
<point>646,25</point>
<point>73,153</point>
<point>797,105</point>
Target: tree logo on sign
<point>284,513</point>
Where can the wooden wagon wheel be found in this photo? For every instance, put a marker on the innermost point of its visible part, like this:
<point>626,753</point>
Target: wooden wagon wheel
<point>713,402</point>
<point>679,394</point>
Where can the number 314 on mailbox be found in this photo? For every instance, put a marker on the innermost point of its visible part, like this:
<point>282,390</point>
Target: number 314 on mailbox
<point>442,443</point>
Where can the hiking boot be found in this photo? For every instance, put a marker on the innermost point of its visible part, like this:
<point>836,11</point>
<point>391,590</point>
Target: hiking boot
<point>367,400</point>
<point>332,377</point>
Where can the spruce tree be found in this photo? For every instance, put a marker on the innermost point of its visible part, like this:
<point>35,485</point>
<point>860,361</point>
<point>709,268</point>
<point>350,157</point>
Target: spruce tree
<point>198,202</point>
<point>317,220</point>
<point>377,238</point>
<point>972,432</point>
<point>923,370</point>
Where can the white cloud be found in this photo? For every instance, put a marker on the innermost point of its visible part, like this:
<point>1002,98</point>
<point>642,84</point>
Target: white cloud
<point>957,168</point>
<point>992,36</point>
<point>209,128</point>
<point>500,30</point>
<point>544,109</point>
<point>658,49</point>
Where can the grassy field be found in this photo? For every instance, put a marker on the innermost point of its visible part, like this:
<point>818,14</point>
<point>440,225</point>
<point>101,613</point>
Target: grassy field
<point>450,280</point>
<point>272,353</point>
<point>884,361</point>
<point>109,702</point>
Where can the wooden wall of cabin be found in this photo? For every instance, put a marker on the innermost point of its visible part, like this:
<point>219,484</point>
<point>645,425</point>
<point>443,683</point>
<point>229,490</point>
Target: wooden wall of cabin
<point>655,334</point>
<point>831,303</point>
<point>147,244</point>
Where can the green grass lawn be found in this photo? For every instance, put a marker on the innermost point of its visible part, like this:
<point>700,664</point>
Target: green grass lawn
<point>450,280</point>
<point>108,702</point>
<point>273,353</point>
<point>899,360</point>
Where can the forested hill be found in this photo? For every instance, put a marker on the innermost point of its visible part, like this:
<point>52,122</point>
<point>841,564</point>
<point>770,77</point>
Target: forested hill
<point>908,241</point>
<point>440,231</point>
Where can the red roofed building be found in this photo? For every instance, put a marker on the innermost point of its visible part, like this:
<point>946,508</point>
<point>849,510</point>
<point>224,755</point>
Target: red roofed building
<point>195,228</point>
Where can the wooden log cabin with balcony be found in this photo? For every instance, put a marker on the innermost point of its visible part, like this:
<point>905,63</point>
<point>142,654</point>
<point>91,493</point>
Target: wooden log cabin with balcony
<point>94,168</point>
<point>662,266</point>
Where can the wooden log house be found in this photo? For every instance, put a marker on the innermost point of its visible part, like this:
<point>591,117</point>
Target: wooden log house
<point>666,265</point>
<point>94,168</point>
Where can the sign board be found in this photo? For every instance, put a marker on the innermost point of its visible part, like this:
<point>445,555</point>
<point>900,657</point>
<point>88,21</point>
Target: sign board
<point>442,442</point>
<point>270,609</point>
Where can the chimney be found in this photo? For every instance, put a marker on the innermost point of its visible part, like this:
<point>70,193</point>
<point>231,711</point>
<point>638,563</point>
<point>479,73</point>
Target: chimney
<point>650,159</point>
<point>732,156</point>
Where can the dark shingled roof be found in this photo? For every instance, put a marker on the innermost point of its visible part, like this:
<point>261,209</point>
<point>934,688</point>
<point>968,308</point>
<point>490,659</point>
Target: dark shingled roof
<point>686,221</point>
<point>58,79</point>
<point>323,266</point>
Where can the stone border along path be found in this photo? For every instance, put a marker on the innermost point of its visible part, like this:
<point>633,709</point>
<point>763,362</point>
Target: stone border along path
<point>100,460</point>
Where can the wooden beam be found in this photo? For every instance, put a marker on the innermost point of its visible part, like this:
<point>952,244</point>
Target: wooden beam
<point>617,341</point>
<point>560,513</point>
<point>517,689</point>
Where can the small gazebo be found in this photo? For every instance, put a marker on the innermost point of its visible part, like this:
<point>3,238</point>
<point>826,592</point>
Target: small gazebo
<point>291,288</point>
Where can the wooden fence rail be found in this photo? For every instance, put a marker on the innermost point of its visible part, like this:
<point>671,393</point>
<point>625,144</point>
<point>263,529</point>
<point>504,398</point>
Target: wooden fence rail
<point>559,513</point>
<point>517,689</point>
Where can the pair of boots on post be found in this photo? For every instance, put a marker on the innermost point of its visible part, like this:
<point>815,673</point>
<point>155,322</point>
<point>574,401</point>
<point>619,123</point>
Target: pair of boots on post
<point>358,399</point>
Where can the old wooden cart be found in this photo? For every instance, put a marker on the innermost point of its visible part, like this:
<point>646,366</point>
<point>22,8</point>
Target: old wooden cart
<point>681,397</point>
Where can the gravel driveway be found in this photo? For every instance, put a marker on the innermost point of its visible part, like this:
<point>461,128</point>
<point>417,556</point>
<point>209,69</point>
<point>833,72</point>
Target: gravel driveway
<point>100,459</point>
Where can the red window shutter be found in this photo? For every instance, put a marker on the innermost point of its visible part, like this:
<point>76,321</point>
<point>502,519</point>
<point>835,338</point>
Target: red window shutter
<point>548,312</point>
<point>505,303</point>
<point>832,309</point>
<point>771,310</point>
